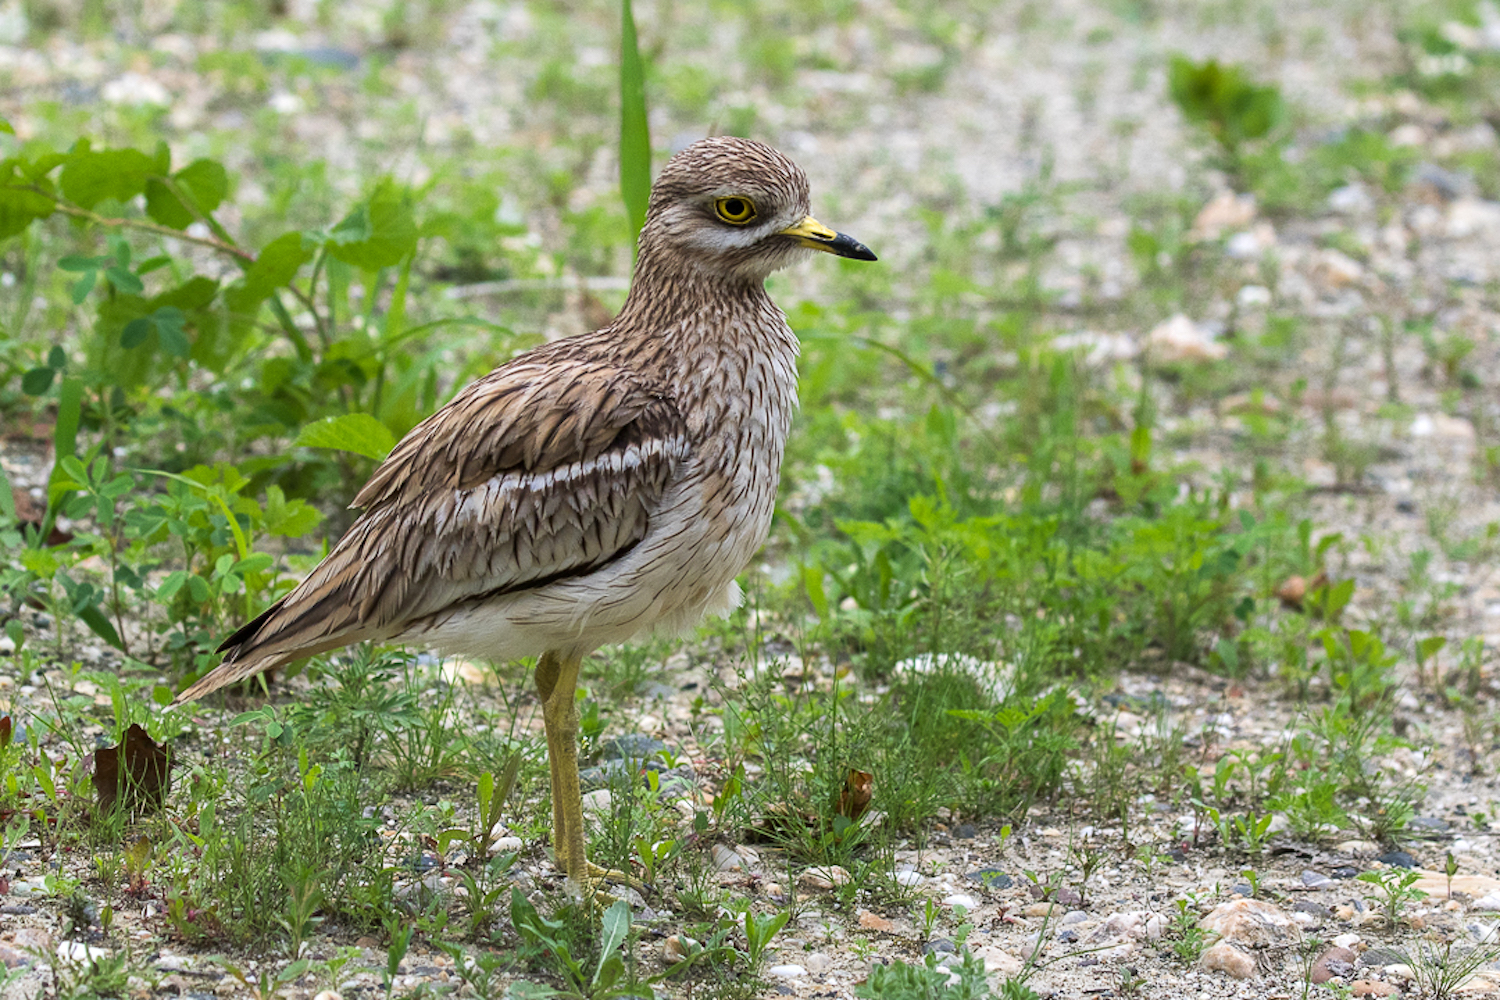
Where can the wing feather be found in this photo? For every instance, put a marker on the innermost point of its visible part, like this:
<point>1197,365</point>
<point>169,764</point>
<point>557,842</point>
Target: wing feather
<point>545,469</point>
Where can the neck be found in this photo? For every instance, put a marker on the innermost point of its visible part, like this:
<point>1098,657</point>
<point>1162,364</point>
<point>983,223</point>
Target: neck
<point>667,290</point>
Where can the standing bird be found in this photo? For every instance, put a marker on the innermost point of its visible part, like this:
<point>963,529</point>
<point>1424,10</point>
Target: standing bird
<point>593,488</point>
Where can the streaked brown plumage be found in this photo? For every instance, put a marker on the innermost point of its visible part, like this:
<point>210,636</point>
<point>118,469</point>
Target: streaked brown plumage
<point>593,488</point>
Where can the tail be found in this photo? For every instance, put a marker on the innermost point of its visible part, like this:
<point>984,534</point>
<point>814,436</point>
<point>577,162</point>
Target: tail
<point>261,644</point>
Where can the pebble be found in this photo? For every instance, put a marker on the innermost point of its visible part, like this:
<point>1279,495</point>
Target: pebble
<point>726,859</point>
<point>939,946</point>
<point>630,746</point>
<point>1229,959</point>
<point>10,958</point>
<point>1315,880</point>
<point>909,879</point>
<point>1334,962</point>
<point>875,922</point>
<point>818,963</point>
<point>77,951</point>
<point>676,949</point>
<point>1358,848</point>
<point>1371,988</point>
<point>1136,925</point>
<point>597,802</point>
<point>1179,339</point>
<point>997,962</point>
<point>786,971</point>
<point>960,899</point>
<point>328,995</point>
<point>1252,923</point>
<point>1397,859</point>
<point>991,878</point>
<point>824,878</point>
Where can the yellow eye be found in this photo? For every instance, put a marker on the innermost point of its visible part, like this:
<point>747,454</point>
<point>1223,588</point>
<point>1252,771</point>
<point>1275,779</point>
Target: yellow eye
<point>735,211</point>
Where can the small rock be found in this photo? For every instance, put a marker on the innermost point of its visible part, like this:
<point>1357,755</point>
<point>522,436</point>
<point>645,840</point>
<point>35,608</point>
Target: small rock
<point>1334,962</point>
<point>1179,339</point>
<point>1042,910</point>
<point>824,878</point>
<point>597,802</point>
<point>1252,923</point>
<point>960,899</point>
<point>328,995</point>
<point>909,879</point>
<point>1312,909</point>
<point>1358,848</point>
<point>875,922</point>
<point>457,672</point>
<point>1487,904</point>
<point>786,971</point>
<point>818,963</point>
<point>1073,917</point>
<point>939,946</point>
<point>1136,925</point>
<point>33,939</point>
<point>1253,297</point>
<point>630,746</point>
<point>1224,212</point>
<point>1428,822</point>
<point>1346,940</point>
<point>505,845</point>
<point>727,860</point>
<point>77,951</point>
<point>1351,199</point>
<point>1310,878</point>
<point>1372,988</point>
<point>1397,859</point>
<point>676,949</point>
<point>1470,216</point>
<point>10,958</point>
<point>1336,270</point>
<point>1225,957</point>
<point>991,878</point>
<point>997,962</point>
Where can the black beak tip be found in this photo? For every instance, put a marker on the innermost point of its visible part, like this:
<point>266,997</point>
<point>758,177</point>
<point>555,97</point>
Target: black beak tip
<point>848,246</point>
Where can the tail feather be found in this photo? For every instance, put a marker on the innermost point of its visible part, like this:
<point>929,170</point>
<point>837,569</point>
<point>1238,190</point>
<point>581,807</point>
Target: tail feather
<point>259,645</point>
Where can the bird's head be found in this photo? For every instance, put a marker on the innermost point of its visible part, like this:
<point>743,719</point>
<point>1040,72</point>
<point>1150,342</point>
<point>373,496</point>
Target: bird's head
<point>731,206</point>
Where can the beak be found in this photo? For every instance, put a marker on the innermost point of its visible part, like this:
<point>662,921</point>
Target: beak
<point>812,233</point>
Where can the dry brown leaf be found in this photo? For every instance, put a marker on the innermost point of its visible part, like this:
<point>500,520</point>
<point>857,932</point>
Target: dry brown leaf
<point>854,797</point>
<point>134,775</point>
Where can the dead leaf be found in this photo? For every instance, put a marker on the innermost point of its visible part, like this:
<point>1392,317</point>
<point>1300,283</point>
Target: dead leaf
<point>4,731</point>
<point>854,797</point>
<point>29,512</point>
<point>143,780</point>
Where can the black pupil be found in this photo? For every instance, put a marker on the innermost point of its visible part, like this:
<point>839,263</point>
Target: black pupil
<point>734,208</point>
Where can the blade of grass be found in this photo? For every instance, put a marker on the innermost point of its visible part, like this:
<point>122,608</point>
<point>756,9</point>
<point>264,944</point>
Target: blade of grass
<point>635,136</point>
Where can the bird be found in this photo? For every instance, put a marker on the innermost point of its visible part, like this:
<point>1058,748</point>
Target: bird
<point>592,489</point>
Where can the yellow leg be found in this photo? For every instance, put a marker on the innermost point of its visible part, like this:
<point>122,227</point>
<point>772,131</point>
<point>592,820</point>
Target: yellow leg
<point>557,683</point>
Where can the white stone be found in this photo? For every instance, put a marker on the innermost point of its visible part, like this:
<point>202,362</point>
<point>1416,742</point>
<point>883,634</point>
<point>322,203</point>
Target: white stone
<point>908,879</point>
<point>597,802</point>
<point>1252,923</point>
<point>1224,212</point>
<point>1225,957</point>
<point>1473,216</point>
<point>726,860</point>
<point>997,962</point>
<point>1253,297</point>
<point>960,899</point>
<point>133,88</point>
<point>1180,339</point>
<point>77,951</point>
<point>786,971</point>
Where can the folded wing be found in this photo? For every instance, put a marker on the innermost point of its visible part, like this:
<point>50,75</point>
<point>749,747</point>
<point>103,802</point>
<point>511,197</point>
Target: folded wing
<point>543,470</point>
